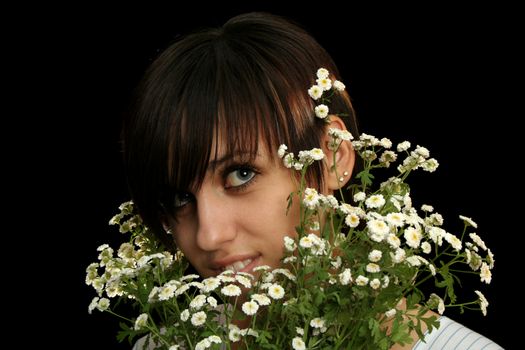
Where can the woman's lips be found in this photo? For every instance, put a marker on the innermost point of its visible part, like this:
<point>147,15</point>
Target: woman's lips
<point>244,265</point>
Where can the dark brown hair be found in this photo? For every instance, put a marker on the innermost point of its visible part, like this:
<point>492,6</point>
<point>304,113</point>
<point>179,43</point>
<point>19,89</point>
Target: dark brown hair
<point>248,81</point>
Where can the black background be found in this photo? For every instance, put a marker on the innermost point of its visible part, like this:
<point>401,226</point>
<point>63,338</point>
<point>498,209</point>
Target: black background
<point>438,76</point>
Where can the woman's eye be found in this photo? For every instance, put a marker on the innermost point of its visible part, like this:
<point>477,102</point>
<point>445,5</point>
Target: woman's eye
<point>239,177</point>
<point>181,199</point>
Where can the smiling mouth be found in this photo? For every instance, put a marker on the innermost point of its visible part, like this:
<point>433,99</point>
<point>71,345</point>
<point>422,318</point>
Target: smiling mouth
<point>246,265</point>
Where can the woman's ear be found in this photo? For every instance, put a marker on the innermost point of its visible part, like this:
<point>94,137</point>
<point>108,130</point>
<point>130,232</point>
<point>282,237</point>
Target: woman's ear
<point>337,174</point>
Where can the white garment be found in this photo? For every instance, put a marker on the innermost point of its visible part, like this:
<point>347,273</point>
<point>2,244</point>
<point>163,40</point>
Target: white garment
<point>454,336</point>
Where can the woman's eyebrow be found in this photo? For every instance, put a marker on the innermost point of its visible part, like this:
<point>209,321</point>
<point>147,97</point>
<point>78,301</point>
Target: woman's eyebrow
<point>229,157</point>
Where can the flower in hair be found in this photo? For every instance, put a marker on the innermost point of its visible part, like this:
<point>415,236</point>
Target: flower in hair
<point>323,91</point>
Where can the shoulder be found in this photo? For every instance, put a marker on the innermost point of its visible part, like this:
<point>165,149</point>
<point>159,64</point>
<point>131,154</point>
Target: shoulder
<point>453,335</point>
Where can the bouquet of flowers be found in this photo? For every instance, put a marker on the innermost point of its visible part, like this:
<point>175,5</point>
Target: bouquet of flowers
<point>350,278</point>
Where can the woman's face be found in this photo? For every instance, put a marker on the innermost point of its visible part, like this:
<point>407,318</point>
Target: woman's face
<point>237,219</point>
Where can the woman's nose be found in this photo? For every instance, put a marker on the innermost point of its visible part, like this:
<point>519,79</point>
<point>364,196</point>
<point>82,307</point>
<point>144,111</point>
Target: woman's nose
<point>216,219</point>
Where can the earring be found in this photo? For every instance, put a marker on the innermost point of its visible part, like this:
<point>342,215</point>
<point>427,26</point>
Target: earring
<point>341,179</point>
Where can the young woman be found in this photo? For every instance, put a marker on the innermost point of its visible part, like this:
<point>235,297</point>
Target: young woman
<point>201,148</point>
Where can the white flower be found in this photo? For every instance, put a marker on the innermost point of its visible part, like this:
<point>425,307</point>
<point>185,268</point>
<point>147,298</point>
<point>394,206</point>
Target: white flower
<point>212,301</point>
<point>477,239</point>
<point>345,277</point>
<point>250,307</point>
<point>235,333</point>
<point>306,242</point>
<point>231,290</point>
<point>436,301</point>
<point>352,220</point>
<point>276,291</point>
<point>413,237</point>
<point>378,230</point>
<point>361,280</point>
<point>475,261</point>
<point>261,268</point>
<point>244,281</point>
<point>490,258</point>
<point>324,83</point>
<point>141,321</point>
<point>182,289</point>
<point>395,219</point>
<point>386,281</point>
<point>373,267</point>
<point>288,160</point>
<point>198,302</point>
<point>322,73</point>
<point>311,198</point>
<point>468,255</point>
<point>375,283</point>
<point>203,344</point>
<point>299,330</point>
<point>413,260</point>
<point>437,234</point>
<point>315,92</point>
<point>185,315</point>
<point>375,201</point>
<point>453,241</point>
<point>359,196</point>
<point>174,347</point>
<point>316,153</point>
<point>167,292</point>
<point>393,241</point>
<point>281,151</point>
<point>210,284</point>
<point>422,151</point>
<point>483,303</point>
<point>214,339</point>
<point>317,322</point>
<point>268,277</point>
<point>339,86</point>
<point>286,273</point>
<point>103,304</point>
<point>198,319</point>
<point>426,247</point>
<point>432,269</point>
<point>102,247</point>
<point>403,146</point>
<point>468,221</point>
<point>386,143</point>
<point>485,274</point>
<point>321,111</point>
<point>427,208</point>
<point>337,135</point>
<point>430,165</point>
<point>436,219</point>
<point>337,262</point>
<point>399,255</point>
<point>93,305</point>
<point>289,259</point>
<point>261,299</point>
<point>375,255</point>
<point>298,344</point>
<point>390,313</point>
<point>387,157</point>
